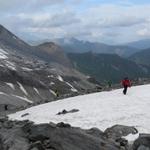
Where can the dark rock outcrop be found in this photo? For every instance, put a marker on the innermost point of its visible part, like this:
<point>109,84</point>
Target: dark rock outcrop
<point>24,135</point>
<point>63,112</point>
<point>118,131</point>
<point>142,143</point>
<point>117,134</point>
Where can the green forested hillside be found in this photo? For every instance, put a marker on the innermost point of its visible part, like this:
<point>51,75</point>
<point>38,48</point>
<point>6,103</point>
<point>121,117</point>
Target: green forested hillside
<point>105,67</point>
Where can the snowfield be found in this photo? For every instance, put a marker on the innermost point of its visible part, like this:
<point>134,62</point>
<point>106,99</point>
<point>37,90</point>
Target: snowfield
<point>101,110</point>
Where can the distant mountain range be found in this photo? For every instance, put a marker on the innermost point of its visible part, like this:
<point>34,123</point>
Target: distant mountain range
<point>142,57</point>
<point>105,67</point>
<point>76,46</point>
<point>141,44</point>
<point>101,61</point>
<point>72,45</point>
<point>133,52</point>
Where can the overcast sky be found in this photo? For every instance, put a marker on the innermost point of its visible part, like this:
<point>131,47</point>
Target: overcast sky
<point>109,21</point>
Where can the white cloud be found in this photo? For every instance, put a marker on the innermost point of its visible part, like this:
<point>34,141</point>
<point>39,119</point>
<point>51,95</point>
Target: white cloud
<point>24,5</point>
<point>105,22</point>
<point>144,31</point>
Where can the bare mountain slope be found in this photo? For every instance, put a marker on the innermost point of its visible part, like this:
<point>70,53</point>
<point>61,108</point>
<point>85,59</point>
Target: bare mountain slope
<point>52,52</point>
<point>106,67</point>
<point>26,78</point>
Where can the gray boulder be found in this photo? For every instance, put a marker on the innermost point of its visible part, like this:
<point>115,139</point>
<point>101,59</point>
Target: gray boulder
<point>119,131</point>
<point>117,134</point>
<point>142,143</point>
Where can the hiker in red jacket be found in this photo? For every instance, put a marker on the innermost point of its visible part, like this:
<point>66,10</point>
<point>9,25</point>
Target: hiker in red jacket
<point>126,83</point>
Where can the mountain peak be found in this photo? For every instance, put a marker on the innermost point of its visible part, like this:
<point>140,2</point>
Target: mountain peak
<point>2,28</point>
<point>5,33</point>
<point>47,44</point>
<point>53,52</point>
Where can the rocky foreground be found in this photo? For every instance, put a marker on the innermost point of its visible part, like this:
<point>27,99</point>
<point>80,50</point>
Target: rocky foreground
<point>25,135</point>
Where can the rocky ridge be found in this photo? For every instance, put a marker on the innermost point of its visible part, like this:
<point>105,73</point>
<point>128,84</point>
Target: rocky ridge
<point>24,135</point>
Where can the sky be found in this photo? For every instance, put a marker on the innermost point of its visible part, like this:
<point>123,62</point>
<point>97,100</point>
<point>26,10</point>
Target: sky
<point>107,21</point>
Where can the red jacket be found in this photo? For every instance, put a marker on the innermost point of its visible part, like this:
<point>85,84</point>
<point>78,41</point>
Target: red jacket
<point>126,82</point>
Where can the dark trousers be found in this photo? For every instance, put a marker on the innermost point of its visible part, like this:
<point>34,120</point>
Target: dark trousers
<point>125,90</point>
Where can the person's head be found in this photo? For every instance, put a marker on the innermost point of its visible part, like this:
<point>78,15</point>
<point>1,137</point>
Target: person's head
<point>126,78</point>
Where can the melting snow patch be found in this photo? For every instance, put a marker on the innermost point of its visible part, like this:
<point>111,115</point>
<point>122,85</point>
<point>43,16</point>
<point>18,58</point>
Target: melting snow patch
<point>131,137</point>
<point>3,54</point>
<point>23,98</point>
<point>72,88</point>
<point>60,78</point>
<point>36,90</point>
<point>2,93</point>
<point>10,65</point>
<point>53,69</point>
<point>26,69</point>
<point>2,51</point>
<point>52,83</point>
<point>22,88</point>
<point>1,65</point>
<point>50,76</point>
<point>11,85</point>
<point>87,77</point>
<point>51,91</point>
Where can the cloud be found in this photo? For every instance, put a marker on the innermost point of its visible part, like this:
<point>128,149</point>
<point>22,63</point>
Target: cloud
<point>121,21</point>
<point>62,18</point>
<point>23,5</point>
<point>144,31</point>
<point>119,16</point>
<point>125,21</point>
<point>48,20</point>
